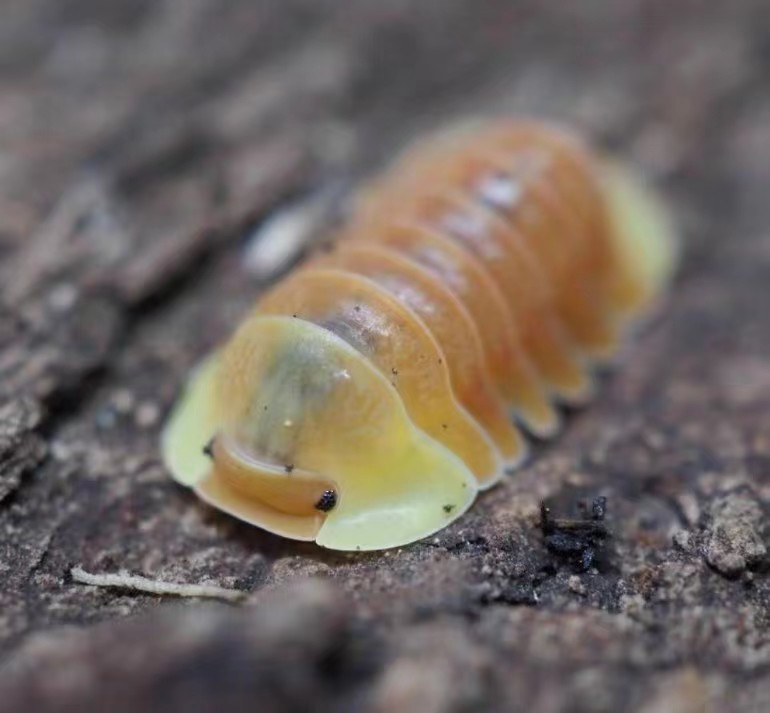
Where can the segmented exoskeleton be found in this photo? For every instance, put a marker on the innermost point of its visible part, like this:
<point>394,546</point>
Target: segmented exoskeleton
<point>371,393</point>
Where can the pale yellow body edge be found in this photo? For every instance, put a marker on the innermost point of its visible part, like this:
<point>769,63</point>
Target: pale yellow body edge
<point>643,229</point>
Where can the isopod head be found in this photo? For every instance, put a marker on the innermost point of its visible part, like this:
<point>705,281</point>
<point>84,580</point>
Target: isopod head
<point>289,428</point>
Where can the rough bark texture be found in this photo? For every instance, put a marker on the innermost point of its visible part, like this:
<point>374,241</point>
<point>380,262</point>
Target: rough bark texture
<point>142,142</point>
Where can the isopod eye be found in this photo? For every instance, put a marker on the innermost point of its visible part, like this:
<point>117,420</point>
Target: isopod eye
<point>362,475</point>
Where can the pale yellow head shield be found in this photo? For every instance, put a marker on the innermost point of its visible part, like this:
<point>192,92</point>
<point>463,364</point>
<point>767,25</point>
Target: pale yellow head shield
<point>289,428</point>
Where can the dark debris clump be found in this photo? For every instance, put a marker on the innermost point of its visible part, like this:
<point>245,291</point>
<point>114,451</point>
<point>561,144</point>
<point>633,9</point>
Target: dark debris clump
<point>580,540</point>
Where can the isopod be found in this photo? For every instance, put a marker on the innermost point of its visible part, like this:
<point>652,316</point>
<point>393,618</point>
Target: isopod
<point>373,392</point>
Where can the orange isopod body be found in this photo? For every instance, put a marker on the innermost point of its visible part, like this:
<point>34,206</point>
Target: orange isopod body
<point>371,393</point>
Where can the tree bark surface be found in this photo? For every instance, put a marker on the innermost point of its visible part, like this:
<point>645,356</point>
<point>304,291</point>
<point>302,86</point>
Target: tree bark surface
<point>144,144</point>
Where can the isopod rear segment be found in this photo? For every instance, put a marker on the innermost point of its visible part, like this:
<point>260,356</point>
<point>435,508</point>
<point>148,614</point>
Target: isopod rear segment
<point>368,396</point>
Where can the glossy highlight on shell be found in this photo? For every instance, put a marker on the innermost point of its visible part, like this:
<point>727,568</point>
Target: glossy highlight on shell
<point>375,390</point>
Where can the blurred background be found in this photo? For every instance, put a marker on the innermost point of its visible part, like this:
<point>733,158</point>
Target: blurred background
<point>161,161</point>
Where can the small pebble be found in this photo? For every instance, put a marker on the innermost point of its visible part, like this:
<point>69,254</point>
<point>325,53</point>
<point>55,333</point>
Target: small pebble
<point>576,585</point>
<point>106,419</point>
<point>62,297</point>
<point>123,400</point>
<point>147,414</point>
<point>681,540</point>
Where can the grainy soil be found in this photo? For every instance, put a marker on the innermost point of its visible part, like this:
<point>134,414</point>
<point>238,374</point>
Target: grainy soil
<point>143,145</point>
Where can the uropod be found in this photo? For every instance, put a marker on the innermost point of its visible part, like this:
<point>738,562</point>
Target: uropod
<point>373,392</point>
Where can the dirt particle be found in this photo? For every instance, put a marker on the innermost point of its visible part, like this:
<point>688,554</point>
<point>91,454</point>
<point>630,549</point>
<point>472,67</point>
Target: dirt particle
<point>579,540</point>
<point>599,508</point>
<point>147,414</point>
<point>123,401</point>
<point>734,542</point>
<point>576,585</point>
